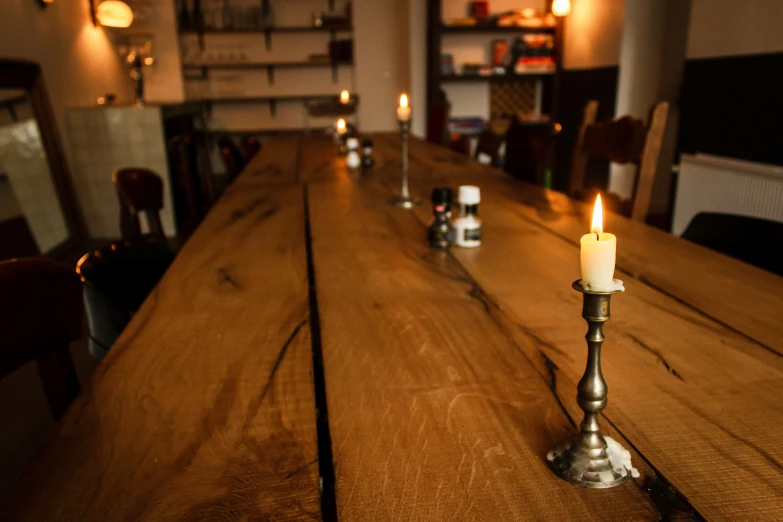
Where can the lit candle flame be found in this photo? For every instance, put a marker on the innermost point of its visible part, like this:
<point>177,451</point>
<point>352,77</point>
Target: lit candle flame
<point>340,125</point>
<point>345,97</point>
<point>403,100</point>
<point>598,217</point>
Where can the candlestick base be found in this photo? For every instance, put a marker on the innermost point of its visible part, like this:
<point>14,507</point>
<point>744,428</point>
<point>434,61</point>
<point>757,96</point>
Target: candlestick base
<point>589,468</point>
<point>584,460</point>
<point>404,201</point>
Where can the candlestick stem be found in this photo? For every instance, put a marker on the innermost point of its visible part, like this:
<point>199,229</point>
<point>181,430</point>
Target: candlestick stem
<point>404,199</point>
<point>583,460</point>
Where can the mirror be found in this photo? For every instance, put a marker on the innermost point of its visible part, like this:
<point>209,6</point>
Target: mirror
<point>31,217</point>
<point>37,214</point>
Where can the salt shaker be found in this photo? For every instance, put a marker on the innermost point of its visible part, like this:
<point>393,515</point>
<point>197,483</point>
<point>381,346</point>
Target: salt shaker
<point>468,226</point>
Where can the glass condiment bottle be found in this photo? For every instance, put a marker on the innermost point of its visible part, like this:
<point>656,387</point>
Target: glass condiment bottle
<point>440,233</point>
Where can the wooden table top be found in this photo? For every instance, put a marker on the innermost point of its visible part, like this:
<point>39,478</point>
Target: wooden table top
<point>307,340</point>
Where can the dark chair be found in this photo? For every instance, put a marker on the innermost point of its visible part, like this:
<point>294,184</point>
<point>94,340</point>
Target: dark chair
<point>250,147</point>
<point>139,191</point>
<point>117,279</point>
<point>488,146</point>
<point>189,206</point>
<point>748,239</point>
<point>626,140</point>
<point>460,143</point>
<point>40,315</point>
<point>232,158</point>
<point>529,149</point>
<point>438,120</point>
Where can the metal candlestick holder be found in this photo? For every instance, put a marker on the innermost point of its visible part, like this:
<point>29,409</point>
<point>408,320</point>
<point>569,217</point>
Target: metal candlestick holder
<point>404,199</point>
<point>583,460</point>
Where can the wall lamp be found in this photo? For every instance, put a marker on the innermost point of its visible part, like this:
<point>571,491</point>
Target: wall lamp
<point>561,7</point>
<point>110,13</point>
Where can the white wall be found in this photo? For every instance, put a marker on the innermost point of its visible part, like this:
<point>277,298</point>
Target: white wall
<point>417,58</point>
<point>381,60</point>
<point>78,61</point>
<point>735,27</point>
<point>593,31</point>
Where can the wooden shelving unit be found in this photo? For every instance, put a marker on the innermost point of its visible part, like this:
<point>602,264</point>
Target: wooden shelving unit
<point>271,29</point>
<point>437,29</point>
<point>464,78</point>
<point>199,71</point>
<point>485,29</point>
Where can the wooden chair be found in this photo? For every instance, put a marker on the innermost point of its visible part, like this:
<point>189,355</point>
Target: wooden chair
<point>438,119</point>
<point>250,147</point>
<point>41,313</point>
<point>621,141</point>
<point>529,149</point>
<point>139,190</point>
<point>190,213</point>
<point>745,238</point>
<point>232,158</point>
<point>489,146</point>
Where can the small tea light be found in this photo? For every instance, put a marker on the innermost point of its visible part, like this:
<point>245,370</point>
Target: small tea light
<point>345,97</point>
<point>341,128</point>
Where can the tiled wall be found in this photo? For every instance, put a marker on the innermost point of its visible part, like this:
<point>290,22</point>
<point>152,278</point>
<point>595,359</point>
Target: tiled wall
<point>105,139</point>
<point>24,161</point>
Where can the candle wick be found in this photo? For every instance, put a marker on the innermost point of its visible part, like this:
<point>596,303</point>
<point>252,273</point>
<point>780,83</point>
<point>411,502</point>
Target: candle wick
<point>597,236</point>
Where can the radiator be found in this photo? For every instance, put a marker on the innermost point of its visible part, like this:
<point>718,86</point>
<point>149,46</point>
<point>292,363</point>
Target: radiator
<point>715,184</point>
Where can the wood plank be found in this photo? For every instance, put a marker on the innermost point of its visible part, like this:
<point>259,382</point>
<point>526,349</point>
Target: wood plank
<point>277,162</point>
<point>435,413</point>
<point>204,407</point>
<point>693,396</point>
<point>742,297</point>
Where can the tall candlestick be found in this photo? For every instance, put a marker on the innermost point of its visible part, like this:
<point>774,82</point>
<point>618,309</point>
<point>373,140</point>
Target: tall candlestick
<point>598,253</point>
<point>403,111</point>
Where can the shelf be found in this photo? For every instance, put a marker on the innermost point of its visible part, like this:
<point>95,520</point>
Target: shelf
<point>244,132</point>
<point>261,30</point>
<point>478,29</point>
<point>259,65</point>
<point>252,99</point>
<point>460,78</point>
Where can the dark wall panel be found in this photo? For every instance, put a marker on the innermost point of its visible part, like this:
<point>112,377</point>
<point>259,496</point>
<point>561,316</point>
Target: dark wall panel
<point>733,106</point>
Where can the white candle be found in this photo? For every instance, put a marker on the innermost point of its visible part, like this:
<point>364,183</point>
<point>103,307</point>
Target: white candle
<point>345,97</point>
<point>341,129</point>
<point>404,111</point>
<point>598,252</point>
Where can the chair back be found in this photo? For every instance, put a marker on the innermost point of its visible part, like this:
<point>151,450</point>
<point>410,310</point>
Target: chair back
<point>139,191</point>
<point>40,315</point>
<point>250,147</point>
<point>624,140</point>
<point>232,158</point>
<point>745,238</point>
<point>117,279</point>
<point>529,149</point>
<point>438,120</point>
<point>488,148</point>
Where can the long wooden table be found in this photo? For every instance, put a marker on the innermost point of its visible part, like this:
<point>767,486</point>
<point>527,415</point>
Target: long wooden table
<point>308,357</point>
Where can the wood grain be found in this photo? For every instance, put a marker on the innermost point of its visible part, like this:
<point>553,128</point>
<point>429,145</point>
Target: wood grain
<point>278,162</point>
<point>692,396</point>
<point>204,407</point>
<point>742,297</point>
<point>435,413</point>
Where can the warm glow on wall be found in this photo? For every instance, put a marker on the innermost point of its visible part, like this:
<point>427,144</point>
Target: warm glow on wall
<point>114,13</point>
<point>561,7</point>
